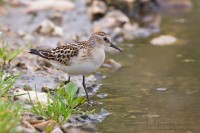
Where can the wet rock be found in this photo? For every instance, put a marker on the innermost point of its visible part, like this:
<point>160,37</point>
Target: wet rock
<point>131,31</point>
<point>42,126</point>
<point>89,2</point>
<point>92,89</point>
<point>46,89</point>
<point>163,40</point>
<point>21,65</point>
<point>128,31</point>
<point>118,16</point>
<point>130,45</point>
<point>72,130</point>
<point>58,5</point>
<point>27,88</point>
<point>32,118</point>
<point>57,130</point>
<point>86,128</point>
<point>14,2</point>
<point>37,80</point>
<point>28,38</point>
<point>23,96</point>
<point>22,129</point>
<point>21,33</point>
<point>188,60</point>
<point>49,28</point>
<point>117,34</point>
<point>191,92</point>
<point>146,14</point>
<point>90,118</point>
<point>161,89</point>
<point>176,6</point>
<point>97,10</point>
<point>102,95</point>
<point>126,6</point>
<point>137,112</point>
<point>180,20</point>
<point>151,115</point>
<point>133,117</point>
<point>112,64</point>
<point>3,11</point>
<point>112,19</point>
<point>56,18</point>
<point>44,63</point>
<point>142,32</point>
<point>27,125</point>
<point>99,76</point>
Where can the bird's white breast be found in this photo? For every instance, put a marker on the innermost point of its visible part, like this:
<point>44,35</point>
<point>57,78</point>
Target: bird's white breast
<point>83,63</point>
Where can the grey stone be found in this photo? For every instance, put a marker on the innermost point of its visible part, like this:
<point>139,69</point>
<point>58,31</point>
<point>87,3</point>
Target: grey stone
<point>57,130</point>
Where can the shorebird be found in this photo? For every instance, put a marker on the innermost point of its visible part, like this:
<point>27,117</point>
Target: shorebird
<point>79,58</point>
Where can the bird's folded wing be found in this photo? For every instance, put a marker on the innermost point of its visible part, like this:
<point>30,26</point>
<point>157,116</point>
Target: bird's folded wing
<point>63,54</point>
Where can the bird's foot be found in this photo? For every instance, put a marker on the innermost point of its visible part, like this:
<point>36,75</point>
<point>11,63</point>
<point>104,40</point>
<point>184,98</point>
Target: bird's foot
<point>89,104</point>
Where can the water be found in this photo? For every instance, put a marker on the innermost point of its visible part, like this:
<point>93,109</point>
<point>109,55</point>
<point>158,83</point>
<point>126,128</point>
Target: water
<point>158,89</point>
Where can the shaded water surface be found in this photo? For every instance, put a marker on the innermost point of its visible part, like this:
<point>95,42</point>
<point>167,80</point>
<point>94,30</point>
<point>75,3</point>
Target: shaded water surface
<point>158,89</point>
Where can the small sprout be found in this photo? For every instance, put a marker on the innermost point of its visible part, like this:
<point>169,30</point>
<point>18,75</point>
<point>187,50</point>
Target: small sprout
<point>7,56</point>
<point>6,82</point>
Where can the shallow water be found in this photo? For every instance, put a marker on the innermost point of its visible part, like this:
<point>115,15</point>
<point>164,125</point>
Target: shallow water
<point>158,89</point>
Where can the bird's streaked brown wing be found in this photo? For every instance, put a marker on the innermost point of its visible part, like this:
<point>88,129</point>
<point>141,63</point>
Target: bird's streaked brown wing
<point>61,54</point>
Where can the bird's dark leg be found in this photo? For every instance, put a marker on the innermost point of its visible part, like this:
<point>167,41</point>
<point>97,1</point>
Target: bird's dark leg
<point>67,81</point>
<point>84,86</point>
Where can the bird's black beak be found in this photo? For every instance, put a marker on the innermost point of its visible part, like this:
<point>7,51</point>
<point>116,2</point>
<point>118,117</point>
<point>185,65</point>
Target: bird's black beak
<point>113,46</point>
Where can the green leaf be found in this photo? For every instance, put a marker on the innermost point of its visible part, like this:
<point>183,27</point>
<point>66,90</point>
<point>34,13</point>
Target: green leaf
<point>6,82</point>
<point>78,101</point>
<point>71,90</point>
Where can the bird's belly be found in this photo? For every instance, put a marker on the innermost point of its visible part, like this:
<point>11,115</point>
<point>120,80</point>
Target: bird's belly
<point>77,69</point>
<point>81,67</point>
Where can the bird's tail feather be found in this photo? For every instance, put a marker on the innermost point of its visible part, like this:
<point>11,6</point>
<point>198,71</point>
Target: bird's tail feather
<point>41,53</point>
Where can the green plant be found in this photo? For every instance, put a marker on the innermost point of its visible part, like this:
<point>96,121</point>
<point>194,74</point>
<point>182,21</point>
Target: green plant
<point>69,94</point>
<point>7,80</point>
<point>10,114</point>
<point>7,56</point>
<point>62,106</point>
<point>1,2</point>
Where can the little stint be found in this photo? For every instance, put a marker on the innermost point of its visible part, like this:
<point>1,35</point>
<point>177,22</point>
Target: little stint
<point>79,58</point>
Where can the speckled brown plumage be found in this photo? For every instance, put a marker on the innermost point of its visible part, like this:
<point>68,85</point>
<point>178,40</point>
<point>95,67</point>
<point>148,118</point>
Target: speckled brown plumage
<point>62,54</point>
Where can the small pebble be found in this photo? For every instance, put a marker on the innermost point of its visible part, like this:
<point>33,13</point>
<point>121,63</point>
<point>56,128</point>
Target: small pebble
<point>163,40</point>
<point>27,88</point>
<point>102,95</point>
<point>161,89</point>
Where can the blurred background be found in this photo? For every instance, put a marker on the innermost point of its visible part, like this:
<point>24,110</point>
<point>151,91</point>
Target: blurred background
<point>152,87</point>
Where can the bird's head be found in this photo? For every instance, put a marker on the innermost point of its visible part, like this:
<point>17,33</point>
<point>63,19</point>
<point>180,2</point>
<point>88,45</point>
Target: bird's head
<point>102,40</point>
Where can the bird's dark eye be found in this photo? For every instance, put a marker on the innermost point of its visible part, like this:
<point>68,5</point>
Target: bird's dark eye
<point>105,39</point>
